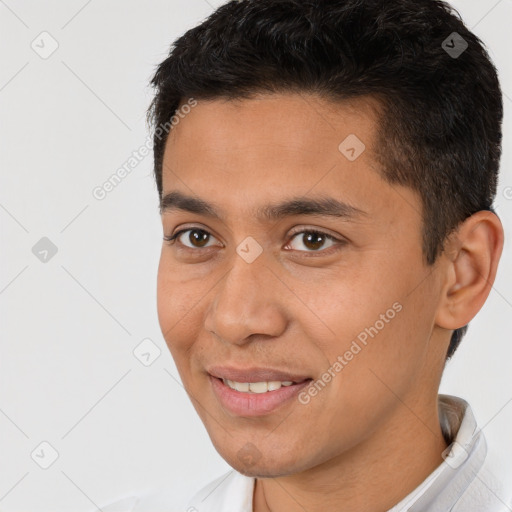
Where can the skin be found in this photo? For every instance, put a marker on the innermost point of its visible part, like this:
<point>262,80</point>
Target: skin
<point>372,434</point>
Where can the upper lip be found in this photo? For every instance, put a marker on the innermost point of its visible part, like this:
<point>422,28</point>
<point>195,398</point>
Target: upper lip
<point>255,374</point>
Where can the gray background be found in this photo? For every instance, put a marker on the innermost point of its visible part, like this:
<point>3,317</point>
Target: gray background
<point>70,324</point>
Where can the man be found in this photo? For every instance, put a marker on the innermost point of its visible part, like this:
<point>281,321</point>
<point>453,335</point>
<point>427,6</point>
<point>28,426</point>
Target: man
<point>326,172</point>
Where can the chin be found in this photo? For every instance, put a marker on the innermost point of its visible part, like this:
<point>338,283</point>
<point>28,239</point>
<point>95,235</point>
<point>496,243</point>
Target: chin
<point>262,471</point>
<point>250,462</point>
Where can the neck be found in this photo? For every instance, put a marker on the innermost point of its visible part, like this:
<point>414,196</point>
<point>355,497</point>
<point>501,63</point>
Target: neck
<point>373,476</point>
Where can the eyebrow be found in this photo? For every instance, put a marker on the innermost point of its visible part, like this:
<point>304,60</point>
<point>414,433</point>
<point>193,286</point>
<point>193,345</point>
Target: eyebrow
<point>321,206</point>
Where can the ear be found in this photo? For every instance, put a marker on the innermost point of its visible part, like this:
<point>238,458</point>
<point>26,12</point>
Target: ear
<point>473,252</point>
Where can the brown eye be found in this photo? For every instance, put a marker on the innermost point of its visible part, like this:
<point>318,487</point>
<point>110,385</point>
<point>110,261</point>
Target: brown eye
<point>313,240</point>
<point>197,238</point>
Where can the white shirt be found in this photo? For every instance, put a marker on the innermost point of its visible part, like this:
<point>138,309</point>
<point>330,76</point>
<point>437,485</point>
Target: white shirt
<point>462,483</point>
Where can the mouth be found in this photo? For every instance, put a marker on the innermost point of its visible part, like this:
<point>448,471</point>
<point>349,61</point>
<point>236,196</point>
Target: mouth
<point>258,387</point>
<point>255,392</point>
<point>255,375</point>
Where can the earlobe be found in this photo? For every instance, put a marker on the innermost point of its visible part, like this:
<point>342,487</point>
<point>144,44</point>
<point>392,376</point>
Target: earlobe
<point>473,253</point>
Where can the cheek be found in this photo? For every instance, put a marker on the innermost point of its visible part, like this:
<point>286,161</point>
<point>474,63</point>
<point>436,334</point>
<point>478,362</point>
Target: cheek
<point>378,316</point>
<point>165,297</point>
<point>349,304</point>
<point>175,307</point>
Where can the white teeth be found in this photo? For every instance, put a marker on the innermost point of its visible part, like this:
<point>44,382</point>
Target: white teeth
<point>241,386</point>
<point>273,385</point>
<point>256,387</point>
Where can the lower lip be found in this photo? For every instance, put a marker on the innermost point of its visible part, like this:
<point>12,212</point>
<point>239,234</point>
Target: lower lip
<point>254,404</point>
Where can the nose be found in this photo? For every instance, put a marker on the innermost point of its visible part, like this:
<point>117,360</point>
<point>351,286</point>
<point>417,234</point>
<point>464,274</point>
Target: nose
<point>248,302</point>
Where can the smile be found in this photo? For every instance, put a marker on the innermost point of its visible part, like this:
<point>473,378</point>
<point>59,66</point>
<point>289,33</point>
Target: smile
<point>257,387</point>
<point>250,399</point>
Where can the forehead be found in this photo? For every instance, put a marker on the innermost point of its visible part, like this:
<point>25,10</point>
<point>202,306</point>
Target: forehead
<point>297,122</point>
<point>276,138</point>
<point>245,154</point>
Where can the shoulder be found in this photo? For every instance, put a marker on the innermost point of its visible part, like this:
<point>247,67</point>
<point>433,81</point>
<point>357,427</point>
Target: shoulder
<point>486,493</point>
<point>231,492</point>
<point>481,485</point>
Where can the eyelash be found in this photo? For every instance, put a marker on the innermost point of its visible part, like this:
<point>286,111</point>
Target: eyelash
<point>172,239</point>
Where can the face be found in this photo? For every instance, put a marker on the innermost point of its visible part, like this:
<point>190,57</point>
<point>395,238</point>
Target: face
<point>300,264</point>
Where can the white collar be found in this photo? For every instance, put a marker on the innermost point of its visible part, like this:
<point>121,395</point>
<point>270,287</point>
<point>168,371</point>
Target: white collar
<point>463,459</point>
